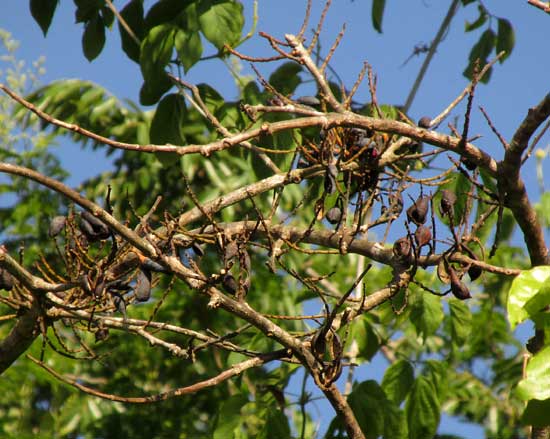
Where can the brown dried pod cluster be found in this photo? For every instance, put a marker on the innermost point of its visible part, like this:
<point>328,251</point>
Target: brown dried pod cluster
<point>418,212</point>
<point>93,228</point>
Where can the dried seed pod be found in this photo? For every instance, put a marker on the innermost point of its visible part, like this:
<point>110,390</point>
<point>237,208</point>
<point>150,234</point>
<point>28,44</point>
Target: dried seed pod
<point>422,236</point>
<point>470,165</point>
<point>92,227</point>
<point>230,251</point>
<point>308,100</point>
<point>419,210</point>
<point>6,280</point>
<point>424,122</point>
<point>153,266</point>
<point>334,215</point>
<point>474,272</point>
<point>128,262</point>
<point>244,261</point>
<point>197,249</point>
<point>448,200</point>
<point>142,289</point>
<point>402,248</point>
<point>229,283</point>
<point>318,344</point>
<point>56,225</point>
<point>459,290</point>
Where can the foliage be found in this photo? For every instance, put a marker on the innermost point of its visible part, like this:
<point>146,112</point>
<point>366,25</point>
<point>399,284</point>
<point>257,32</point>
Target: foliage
<point>178,294</point>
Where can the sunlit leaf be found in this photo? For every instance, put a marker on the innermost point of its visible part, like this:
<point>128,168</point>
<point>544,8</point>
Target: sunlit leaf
<point>524,288</point>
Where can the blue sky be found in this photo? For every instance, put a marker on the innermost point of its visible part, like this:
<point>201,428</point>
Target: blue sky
<point>517,84</point>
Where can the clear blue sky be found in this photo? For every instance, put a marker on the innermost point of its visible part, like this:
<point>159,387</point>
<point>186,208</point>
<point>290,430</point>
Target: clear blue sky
<point>516,85</point>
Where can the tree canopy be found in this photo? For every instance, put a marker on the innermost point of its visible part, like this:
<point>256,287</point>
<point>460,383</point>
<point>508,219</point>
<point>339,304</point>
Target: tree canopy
<point>243,258</point>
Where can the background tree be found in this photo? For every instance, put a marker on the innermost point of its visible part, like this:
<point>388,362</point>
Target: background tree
<point>235,234</point>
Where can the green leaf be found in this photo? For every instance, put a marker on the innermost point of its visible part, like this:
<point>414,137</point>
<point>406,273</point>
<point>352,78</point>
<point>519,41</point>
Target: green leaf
<point>156,51</point>
<point>536,413</point>
<point>427,315</point>
<point>285,79</point>
<point>377,14</point>
<point>398,380</point>
<point>189,48</point>
<point>165,11</point>
<point>537,383</point>
<point>152,91</point>
<point>229,417</point>
<point>133,16</point>
<point>524,288</point>
<point>276,426</point>
<point>367,401</point>
<point>506,38</point>
<point>93,38</point>
<point>422,409</point>
<point>87,9</point>
<point>461,321</point>
<point>167,123</point>
<point>42,11</point>
<point>221,22</point>
<point>481,51</point>
<point>481,19</point>
<point>367,340</point>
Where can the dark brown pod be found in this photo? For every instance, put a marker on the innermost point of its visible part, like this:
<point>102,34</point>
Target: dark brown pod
<point>459,290</point>
<point>197,249</point>
<point>422,236</point>
<point>128,262</point>
<point>448,200</point>
<point>92,227</point>
<point>56,225</point>
<point>229,283</point>
<point>318,344</point>
<point>153,266</point>
<point>334,215</point>
<point>6,280</point>
<point>419,210</point>
<point>474,272</point>
<point>142,289</point>
<point>402,248</point>
<point>120,306</point>
<point>424,122</point>
<point>470,165</point>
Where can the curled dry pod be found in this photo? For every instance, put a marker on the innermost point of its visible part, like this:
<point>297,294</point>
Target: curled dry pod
<point>402,248</point>
<point>308,100</point>
<point>419,210</point>
<point>422,236</point>
<point>99,229</point>
<point>459,290</point>
<point>330,178</point>
<point>424,122</point>
<point>448,200</point>
<point>56,225</point>
<point>128,262</point>
<point>229,283</point>
<point>142,289</point>
<point>6,280</point>
<point>334,215</point>
<point>318,344</point>
<point>230,251</point>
